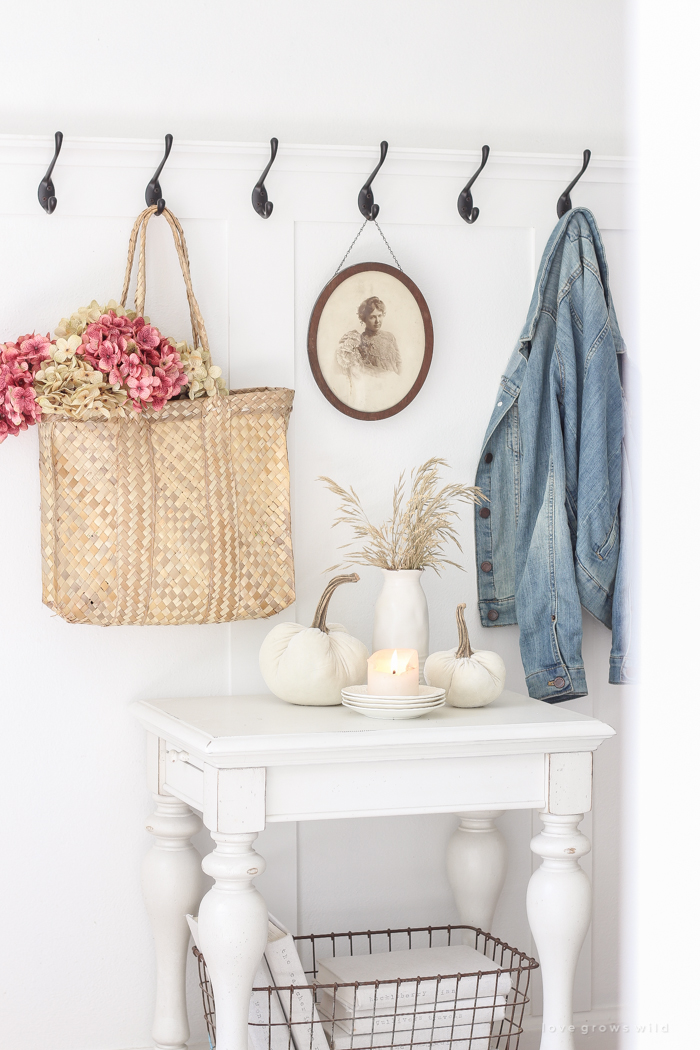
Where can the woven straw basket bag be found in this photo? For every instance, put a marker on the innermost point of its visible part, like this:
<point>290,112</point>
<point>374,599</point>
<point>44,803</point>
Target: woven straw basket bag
<point>172,517</point>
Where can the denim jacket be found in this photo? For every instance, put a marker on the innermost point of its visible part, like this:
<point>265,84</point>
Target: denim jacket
<point>549,539</point>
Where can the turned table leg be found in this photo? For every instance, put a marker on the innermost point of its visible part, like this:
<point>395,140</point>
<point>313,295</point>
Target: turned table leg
<point>559,912</point>
<point>476,867</point>
<point>232,933</point>
<point>172,886</point>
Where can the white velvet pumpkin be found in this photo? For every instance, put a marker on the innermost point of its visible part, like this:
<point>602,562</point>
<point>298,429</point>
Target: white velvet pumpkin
<point>470,677</point>
<point>310,665</point>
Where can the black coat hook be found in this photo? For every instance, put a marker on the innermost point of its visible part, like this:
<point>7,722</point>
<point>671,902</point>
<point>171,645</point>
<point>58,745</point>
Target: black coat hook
<point>564,202</point>
<point>365,199</point>
<point>153,190</point>
<point>465,202</point>
<point>260,202</point>
<point>46,192</point>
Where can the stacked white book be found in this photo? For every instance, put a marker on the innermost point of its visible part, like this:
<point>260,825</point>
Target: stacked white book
<point>297,1002</point>
<point>397,1010</point>
<point>270,1012</point>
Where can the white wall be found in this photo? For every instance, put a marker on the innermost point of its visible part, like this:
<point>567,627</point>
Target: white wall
<point>547,77</point>
<point>542,76</point>
<point>79,753</point>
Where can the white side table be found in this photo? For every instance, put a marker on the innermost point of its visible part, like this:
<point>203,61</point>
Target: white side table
<point>243,760</point>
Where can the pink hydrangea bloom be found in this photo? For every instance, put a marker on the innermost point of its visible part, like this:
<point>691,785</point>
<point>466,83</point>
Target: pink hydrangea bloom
<point>35,349</point>
<point>18,363</point>
<point>133,354</point>
<point>148,337</point>
<point>133,367</point>
<point>148,389</point>
<point>21,409</point>
<point>109,356</point>
<point>139,388</point>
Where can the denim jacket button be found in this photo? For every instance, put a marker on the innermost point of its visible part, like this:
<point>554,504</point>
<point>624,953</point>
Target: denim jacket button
<point>493,615</point>
<point>488,457</point>
<point>559,682</point>
<point>486,566</point>
<point>484,512</point>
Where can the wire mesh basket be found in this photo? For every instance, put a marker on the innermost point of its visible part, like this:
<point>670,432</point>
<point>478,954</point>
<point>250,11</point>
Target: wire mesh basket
<point>474,1011</point>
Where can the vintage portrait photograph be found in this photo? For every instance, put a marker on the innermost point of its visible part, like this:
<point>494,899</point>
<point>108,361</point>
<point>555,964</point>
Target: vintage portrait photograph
<point>370,341</point>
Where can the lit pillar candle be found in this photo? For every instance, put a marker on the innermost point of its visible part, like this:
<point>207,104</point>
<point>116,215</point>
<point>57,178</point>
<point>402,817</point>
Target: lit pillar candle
<point>393,672</point>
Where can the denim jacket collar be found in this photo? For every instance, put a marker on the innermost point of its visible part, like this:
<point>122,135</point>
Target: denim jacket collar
<point>512,379</point>
<point>560,231</point>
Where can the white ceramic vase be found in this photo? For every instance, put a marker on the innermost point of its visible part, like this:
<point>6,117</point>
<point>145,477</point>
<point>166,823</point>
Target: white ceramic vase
<point>401,614</point>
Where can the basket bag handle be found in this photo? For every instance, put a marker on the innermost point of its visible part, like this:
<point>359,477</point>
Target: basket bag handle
<point>199,332</point>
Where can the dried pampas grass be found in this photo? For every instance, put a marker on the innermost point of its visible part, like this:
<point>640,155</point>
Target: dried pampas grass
<point>423,521</point>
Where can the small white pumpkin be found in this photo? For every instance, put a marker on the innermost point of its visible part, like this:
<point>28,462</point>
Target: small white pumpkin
<point>470,677</point>
<point>310,665</point>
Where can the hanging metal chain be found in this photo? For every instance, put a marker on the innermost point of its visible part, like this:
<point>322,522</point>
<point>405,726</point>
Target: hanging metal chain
<point>357,237</point>
<point>398,264</point>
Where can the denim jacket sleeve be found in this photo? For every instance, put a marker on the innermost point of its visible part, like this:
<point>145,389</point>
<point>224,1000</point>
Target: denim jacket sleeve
<point>548,541</point>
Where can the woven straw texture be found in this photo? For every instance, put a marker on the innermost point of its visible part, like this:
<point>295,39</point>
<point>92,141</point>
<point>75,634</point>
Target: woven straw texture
<point>172,517</point>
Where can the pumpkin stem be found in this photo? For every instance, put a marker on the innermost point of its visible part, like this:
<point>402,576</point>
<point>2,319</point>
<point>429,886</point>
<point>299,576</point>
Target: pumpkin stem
<point>464,648</point>
<point>322,608</point>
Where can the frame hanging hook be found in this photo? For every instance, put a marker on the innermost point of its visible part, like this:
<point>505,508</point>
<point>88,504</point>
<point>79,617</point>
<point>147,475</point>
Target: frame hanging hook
<point>365,199</point>
<point>153,190</point>
<point>564,202</point>
<point>465,202</point>
<point>259,197</point>
<point>46,192</point>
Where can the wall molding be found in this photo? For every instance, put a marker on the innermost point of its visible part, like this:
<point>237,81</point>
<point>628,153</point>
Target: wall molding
<point>251,156</point>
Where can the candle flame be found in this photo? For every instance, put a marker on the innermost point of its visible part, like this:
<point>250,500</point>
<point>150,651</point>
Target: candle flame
<point>395,663</point>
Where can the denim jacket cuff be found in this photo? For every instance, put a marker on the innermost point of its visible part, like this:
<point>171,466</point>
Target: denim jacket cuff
<point>620,671</point>
<point>504,608</point>
<point>557,683</point>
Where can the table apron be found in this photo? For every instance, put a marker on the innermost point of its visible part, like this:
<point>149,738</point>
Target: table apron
<point>446,785</point>
<point>381,788</point>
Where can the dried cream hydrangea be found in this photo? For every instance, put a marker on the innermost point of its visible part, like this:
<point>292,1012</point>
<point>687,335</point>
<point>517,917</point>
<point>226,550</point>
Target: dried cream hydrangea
<point>78,322</point>
<point>203,377</point>
<point>67,383</point>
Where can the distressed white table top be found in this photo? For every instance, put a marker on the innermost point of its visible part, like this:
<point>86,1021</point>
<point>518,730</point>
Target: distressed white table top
<point>261,729</point>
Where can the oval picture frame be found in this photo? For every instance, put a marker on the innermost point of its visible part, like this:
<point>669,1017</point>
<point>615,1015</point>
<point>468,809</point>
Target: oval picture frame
<point>376,368</point>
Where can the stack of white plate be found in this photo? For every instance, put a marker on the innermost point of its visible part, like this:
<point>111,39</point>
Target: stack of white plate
<point>428,699</point>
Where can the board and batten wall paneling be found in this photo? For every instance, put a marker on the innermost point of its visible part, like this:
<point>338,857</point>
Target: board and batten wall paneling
<point>74,775</point>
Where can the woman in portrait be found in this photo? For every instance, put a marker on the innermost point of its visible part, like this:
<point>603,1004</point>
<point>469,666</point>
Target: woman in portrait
<point>372,351</point>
